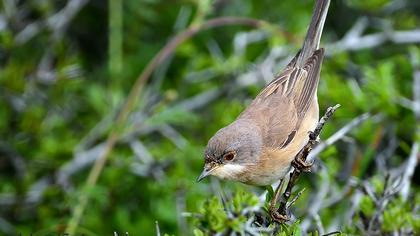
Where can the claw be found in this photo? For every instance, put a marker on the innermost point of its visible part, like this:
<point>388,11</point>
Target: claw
<point>301,165</point>
<point>277,217</point>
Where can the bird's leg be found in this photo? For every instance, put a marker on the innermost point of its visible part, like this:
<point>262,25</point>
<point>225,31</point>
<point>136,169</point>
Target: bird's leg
<point>273,211</point>
<point>275,198</point>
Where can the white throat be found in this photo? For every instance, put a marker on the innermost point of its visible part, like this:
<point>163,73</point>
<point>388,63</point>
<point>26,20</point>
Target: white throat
<point>228,171</point>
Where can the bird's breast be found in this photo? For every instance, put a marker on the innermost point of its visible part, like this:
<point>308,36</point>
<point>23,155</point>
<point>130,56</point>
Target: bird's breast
<point>274,162</point>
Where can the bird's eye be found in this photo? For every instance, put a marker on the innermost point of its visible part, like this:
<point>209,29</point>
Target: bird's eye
<point>229,156</point>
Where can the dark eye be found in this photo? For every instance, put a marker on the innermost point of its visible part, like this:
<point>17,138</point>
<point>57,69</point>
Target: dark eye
<point>229,156</point>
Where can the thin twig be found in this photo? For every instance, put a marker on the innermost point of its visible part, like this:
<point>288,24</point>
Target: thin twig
<point>408,173</point>
<point>338,135</point>
<point>295,198</point>
<point>317,198</point>
<point>57,23</point>
<point>318,222</point>
<point>332,233</point>
<point>413,159</point>
<point>391,188</point>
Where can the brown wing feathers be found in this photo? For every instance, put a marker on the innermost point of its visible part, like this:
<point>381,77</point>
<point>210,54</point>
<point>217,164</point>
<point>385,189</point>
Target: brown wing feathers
<point>303,98</point>
<point>293,90</point>
<point>301,83</point>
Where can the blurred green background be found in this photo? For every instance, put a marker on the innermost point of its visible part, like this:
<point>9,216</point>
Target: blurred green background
<point>67,68</point>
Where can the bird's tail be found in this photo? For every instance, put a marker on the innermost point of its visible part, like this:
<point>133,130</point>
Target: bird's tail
<point>314,33</point>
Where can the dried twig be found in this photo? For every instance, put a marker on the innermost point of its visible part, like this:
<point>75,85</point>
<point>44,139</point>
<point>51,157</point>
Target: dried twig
<point>354,40</point>
<point>408,173</point>
<point>338,135</point>
<point>316,200</point>
<point>333,233</point>
<point>318,222</point>
<point>390,190</point>
<point>407,169</point>
<point>295,198</point>
<point>56,23</point>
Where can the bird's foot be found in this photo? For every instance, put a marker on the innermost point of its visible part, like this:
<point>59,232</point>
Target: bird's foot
<point>301,165</point>
<point>277,216</point>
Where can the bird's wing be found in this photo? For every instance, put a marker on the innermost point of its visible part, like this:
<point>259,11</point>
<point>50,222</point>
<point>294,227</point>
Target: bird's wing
<point>299,84</point>
<point>305,87</point>
<point>283,103</point>
<point>276,117</point>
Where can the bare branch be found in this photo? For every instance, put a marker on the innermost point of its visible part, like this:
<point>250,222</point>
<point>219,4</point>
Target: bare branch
<point>355,41</point>
<point>317,200</point>
<point>410,166</point>
<point>57,22</point>
<point>338,135</point>
<point>413,159</point>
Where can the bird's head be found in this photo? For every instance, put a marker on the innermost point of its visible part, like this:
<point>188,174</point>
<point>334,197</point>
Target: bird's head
<point>232,150</point>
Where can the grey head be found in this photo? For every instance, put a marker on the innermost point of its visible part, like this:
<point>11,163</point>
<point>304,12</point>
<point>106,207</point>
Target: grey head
<point>232,149</point>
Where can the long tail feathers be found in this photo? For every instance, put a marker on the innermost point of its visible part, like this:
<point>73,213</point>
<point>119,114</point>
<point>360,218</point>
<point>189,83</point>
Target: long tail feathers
<point>314,33</point>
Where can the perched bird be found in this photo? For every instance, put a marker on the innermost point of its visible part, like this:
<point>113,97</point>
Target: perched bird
<point>260,145</point>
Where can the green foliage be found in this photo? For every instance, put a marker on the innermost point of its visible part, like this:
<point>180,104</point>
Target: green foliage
<point>367,206</point>
<point>61,88</point>
<point>368,5</point>
<point>214,218</point>
<point>293,229</point>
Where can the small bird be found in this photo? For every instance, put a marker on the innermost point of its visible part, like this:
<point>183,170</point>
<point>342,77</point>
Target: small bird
<point>260,145</point>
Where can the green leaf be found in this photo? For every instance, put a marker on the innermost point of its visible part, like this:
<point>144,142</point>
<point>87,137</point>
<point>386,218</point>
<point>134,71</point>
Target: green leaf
<point>198,232</point>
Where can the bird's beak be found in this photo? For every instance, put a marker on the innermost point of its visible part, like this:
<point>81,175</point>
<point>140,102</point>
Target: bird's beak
<point>206,172</point>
